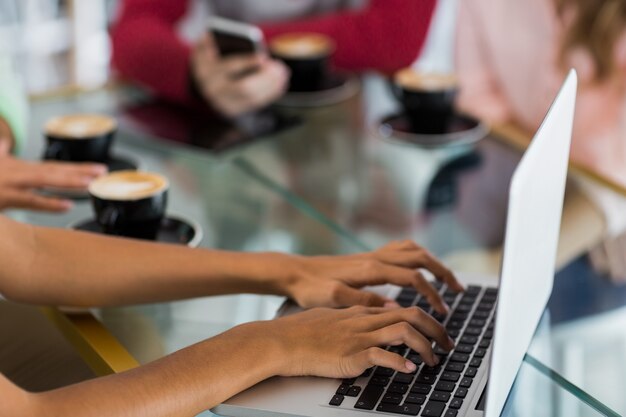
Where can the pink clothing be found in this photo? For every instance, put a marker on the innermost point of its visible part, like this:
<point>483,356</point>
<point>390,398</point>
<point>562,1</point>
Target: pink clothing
<point>507,52</point>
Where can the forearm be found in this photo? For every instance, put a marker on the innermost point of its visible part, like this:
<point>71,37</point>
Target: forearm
<point>62,267</point>
<point>182,384</point>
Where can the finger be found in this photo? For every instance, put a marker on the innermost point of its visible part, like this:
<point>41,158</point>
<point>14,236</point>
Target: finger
<point>32,201</point>
<point>420,258</point>
<point>376,273</point>
<point>416,317</point>
<point>345,296</point>
<point>265,85</point>
<point>375,356</point>
<point>237,64</point>
<point>59,175</point>
<point>5,146</point>
<point>404,333</point>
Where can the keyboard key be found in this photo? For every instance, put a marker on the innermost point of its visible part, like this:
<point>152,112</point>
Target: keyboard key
<point>491,291</point>
<point>475,362</point>
<point>472,289</point>
<point>366,373</point>
<point>471,372</point>
<point>379,380</point>
<point>354,391</point>
<point>480,353</point>
<point>383,371</point>
<point>459,316</point>
<point>343,389</point>
<point>485,306</point>
<point>455,324</point>
<point>439,351</point>
<point>415,399</point>
<point>451,413</point>
<point>473,331</point>
<point>399,388</point>
<point>392,398</point>
<point>407,409</point>
<point>459,357</point>
<point>456,403</point>
<point>433,409</point>
<point>369,397</point>
<point>403,378</point>
<point>437,284</point>
<point>440,396</point>
<point>488,334</point>
<point>484,343</point>
<point>415,358</point>
<point>440,317</point>
<point>462,308</point>
<point>450,376</point>
<point>431,370</point>
<point>455,367</point>
<point>464,348</point>
<point>480,315</point>
<point>348,381</point>
<point>336,400</point>
<point>400,350</point>
<point>426,379</point>
<point>420,389</point>
<point>477,322</point>
<point>446,386</point>
<point>461,392</point>
<point>468,339</point>
<point>466,382</point>
<point>454,333</point>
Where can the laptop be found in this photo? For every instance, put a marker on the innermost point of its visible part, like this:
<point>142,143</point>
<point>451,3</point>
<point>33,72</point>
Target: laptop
<point>492,327</point>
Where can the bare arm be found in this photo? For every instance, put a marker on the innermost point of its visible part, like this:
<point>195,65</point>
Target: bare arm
<point>322,342</point>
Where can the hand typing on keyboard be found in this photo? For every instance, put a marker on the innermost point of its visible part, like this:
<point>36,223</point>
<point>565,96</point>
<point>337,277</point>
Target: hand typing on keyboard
<point>325,281</point>
<point>344,343</point>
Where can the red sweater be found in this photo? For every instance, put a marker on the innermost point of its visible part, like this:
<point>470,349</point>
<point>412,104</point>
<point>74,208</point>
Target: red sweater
<point>384,36</point>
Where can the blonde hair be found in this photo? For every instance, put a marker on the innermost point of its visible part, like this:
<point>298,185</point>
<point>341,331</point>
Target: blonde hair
<point>596,27</point>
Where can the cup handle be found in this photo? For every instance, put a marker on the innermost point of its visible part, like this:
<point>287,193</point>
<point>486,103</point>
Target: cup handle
<point>108,218</point>
<point>54,151</point>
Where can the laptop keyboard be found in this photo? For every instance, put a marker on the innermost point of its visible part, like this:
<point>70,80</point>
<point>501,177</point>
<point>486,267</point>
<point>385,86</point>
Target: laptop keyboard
<point>433,391</point>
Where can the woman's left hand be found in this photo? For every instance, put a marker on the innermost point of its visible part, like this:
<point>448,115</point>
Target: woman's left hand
<point>337,281</point>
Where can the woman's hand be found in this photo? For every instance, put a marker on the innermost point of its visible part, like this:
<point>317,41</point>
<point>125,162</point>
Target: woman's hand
<point>335,281</point>
<point>238,84</point>
<point>19,181</point>
<point>344,343</point>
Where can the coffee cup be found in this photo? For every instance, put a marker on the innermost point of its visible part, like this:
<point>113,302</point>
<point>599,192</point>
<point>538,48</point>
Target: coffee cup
<point>307,55</point>
<point>79,137</point>
<point>130,203</point>
<point>427,99</point>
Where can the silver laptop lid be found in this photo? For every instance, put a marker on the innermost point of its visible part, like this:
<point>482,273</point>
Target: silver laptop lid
<point>532,234</point>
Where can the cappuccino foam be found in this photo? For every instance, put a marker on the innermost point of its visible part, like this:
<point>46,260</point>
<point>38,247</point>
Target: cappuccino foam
<point>410,79</point>
<point>302,45</point>
<point>128,185</point>
<point>80,126</point>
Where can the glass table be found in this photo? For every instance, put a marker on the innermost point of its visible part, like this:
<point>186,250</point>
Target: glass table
<point>326,183</point>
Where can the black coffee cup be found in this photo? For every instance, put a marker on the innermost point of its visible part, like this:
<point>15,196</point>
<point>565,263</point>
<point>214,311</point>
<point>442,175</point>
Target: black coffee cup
<point>130,203</point>
<point>307,55</point>
<point>79,138</point>
<point>427,100</point>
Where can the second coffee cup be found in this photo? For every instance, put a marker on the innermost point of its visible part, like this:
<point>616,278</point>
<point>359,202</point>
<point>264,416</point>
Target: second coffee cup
<point>130,203</point>
<point>79,137</point>
<point>427,98</point>
<point>307,56</point>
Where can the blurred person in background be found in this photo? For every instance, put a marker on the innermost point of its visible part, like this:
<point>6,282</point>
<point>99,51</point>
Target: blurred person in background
<point>163,44</point>
<point>20,180</point>
<point>511,58</point>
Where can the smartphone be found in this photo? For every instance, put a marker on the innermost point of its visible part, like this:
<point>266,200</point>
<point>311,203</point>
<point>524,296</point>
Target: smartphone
<point>233,37</point>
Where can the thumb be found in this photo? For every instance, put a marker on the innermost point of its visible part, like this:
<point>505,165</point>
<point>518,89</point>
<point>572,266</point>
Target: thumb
<point>5,147</point>
<point>348,296</point>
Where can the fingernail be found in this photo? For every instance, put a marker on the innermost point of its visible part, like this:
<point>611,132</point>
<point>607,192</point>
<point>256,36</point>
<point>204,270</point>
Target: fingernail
<point>436,360</point>
<point>410,366</point>
<point>66,204</point>
<point>391,304</point>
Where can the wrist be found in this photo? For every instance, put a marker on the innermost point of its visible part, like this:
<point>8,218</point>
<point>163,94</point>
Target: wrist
<point>263,338</point>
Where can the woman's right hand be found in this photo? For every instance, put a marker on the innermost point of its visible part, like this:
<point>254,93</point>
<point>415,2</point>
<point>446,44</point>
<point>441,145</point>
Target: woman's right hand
<point>344,343</point>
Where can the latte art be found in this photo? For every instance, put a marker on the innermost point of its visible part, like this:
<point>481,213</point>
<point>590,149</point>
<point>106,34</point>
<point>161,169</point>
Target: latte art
<point>80,126</point>
<point>302,45</point>
<point>128,185</point>
<point>410,79</point>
